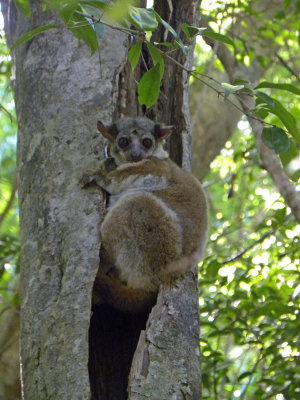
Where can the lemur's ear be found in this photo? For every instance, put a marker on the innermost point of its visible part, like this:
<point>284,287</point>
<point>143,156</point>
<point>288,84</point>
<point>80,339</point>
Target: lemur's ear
<point>108,131</point>
<point>162,132</point>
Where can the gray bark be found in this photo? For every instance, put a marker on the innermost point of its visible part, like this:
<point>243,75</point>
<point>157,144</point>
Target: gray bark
<point>10,387</point>
<point>166,364</point>
<point>60,93</point>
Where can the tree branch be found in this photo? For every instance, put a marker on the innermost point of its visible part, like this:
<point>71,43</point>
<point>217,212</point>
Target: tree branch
<point>10,201</point>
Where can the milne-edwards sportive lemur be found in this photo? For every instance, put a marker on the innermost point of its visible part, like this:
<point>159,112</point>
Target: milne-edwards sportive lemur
<point>155,227</point>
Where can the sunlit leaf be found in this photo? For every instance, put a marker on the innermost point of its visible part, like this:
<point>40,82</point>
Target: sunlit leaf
<point>118,10</point>
<point>238,81</point>
<point>229,89</point>
<point>276,139</point>
<point>172,31</point>
<point>29,35</point>
<point>166,44</point>
<point>99,28</point>
<point>166,25</point>
<point>280,215</point>
<point>90,10</point>
<point>81,29</point>
<point>157,58</point>
<point>149,86</point>
<point>217,36</point>
<point>97,4</point>
<point>265,98</point>
<point>213,268</point>
<point>286,118</point>
<point>134,55</point>
<point>281,86</point>
<point>24,7</point>
<point>290,154</point>
<point>189,30</point>
<point>64,8</point>
<point>143,18</point>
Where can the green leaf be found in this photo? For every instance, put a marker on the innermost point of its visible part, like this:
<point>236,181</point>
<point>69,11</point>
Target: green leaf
<point>287,4</point>
<point>157,58</point>
<point>95,14</point>
<point>99,28</point>
<point>143,18</point>
<point>290,154</point>
<point>172,31</point>
<point>81,29</point>
<point>229,89</point>
<point>118,10</point>
<point>262,112</point>
<point>88,9</point>
<point>29,35</point>
<point>166,25</point>
<point>96,4</point>
<point>24,7</point>
<point>64,8</point>
<point>238,81</point>
<point>134,55</point>
<point>282,86</point>
<point>181,46</point>
<point>149,86</point>
<point>166,44</point>
<point>190,30</point>
<point>265,98</point>
<point>286,118</point>
<point>217,36</point>
<point>276,139</point>
<point>213,269</point>
<point>280,215</point>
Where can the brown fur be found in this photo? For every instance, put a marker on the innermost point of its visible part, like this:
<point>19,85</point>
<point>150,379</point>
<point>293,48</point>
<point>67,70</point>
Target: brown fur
<point>154,231</point>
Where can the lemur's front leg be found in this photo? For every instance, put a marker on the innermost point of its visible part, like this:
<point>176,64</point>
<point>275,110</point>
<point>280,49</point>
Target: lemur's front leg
<point>99,177</point>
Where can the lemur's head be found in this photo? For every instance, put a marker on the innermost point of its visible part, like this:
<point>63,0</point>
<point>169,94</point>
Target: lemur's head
<point>134,139</point>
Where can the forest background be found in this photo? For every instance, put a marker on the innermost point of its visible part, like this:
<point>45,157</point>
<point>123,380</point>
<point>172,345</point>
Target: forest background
<point>249,279</point>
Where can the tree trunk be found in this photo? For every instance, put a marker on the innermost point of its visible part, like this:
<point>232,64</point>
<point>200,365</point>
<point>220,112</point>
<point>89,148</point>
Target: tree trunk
<point>68,351</point>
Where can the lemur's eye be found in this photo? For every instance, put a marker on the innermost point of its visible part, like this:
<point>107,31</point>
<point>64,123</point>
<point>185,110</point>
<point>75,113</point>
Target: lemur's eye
<point>147,143</point>
<point>123,142</point>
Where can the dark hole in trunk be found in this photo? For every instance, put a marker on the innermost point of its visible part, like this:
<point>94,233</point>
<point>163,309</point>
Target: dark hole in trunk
<point>113,338</point>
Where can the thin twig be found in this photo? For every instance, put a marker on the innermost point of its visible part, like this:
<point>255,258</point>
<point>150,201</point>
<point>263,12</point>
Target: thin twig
<point>285,64</point>
<point>10,200</point>
<point>118,28</point>
<point>242,252</point>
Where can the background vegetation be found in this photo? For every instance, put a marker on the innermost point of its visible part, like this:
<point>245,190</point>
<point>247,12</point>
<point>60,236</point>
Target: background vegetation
<point>249,280</point>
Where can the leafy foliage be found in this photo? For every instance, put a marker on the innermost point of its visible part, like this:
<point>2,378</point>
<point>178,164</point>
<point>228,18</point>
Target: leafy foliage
<point>9,229</point>
<point>249,283</point>
<point>86,20</point>
<point>250,279</point>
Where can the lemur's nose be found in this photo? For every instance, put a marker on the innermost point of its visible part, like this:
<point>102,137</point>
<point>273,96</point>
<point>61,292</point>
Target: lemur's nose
<point>136,156</point>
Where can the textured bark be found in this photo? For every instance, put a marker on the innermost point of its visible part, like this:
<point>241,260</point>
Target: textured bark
<point>10,387</point>
<point>60,93</point>
<point>166,364</point>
